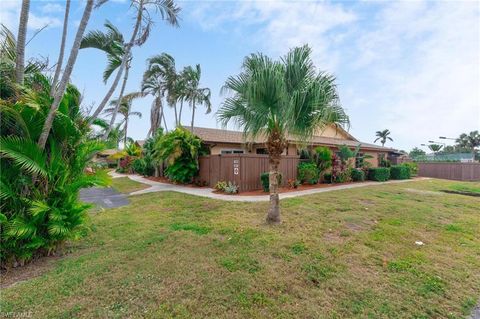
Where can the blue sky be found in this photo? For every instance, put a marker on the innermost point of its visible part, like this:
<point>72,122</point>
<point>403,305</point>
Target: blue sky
<point>412,67</point>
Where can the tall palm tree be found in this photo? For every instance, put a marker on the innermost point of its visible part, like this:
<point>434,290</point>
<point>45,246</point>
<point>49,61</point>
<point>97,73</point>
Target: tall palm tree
<point>141,31</point>
<point>21,37</point>
<point>58,68</point>
<point>153,85</point>
<point>275,99</point>
<point>125,110</point>
<point>383,136</point>
<point>161,79</point>
<point>57,98</point>
<point>471,141</point>
<point>193,94</point>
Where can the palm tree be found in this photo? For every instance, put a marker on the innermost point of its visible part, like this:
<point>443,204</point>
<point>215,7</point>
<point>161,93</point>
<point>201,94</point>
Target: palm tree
<point>471,141</point>
<point>383,136</point>
<point>154,86</point>
<point>57,98</point>
<point>276,99</point>
<point>125,110</point>
<point>21,37</point>
<point>161,79</point>
<point>58,68</point>
<point>193,94</point>
<point>143,23</point>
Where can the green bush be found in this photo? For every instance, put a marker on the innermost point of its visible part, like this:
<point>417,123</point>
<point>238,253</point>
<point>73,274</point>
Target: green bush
<point>412,166</point>
<point>308,173</point>
<point>357,175</point>
<point>379,174</point>
<point>180,148</point>
<point>327,178</point>
<point>265,179</point>
<point>399,172</point>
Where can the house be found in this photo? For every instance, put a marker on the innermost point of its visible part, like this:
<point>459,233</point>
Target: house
<point>233,142</point>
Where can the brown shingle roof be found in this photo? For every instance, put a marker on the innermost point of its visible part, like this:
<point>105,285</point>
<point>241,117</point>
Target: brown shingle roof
<point>226,136</point>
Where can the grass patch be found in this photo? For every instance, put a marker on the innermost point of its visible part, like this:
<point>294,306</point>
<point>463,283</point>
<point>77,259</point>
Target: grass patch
<point>173,255</point>
<point>126,185</point>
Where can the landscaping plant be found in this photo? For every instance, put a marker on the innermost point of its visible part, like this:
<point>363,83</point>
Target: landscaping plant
<point>357,175</point>
<point>379,174</point>
<point>308,173</point>
<point>180,148</point>
<point>265,179</point>
<point>399,172</point>
<point>412,166</point>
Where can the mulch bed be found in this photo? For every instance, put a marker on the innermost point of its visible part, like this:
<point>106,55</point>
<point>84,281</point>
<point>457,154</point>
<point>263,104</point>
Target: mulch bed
<point>281,190</point>
<point>167,181</point>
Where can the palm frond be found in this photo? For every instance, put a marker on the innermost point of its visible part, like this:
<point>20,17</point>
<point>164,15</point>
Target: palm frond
<point>24,153</point>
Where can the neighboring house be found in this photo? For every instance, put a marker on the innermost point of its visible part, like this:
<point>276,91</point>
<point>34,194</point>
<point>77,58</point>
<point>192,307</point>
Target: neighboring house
<point>104,157</point>
<point>233,142</point>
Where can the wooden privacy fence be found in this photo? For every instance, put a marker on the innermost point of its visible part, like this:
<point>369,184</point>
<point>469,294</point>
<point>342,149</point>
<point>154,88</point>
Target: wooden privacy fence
<point>243,169</point>
<point>455,171</point>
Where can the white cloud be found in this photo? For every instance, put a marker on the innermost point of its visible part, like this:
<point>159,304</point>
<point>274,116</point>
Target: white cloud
<point>410,66</point>
<point>53,7</point>
<point>10,15</point>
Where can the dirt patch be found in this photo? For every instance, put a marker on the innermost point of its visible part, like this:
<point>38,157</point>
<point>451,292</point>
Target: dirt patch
<point>421,192</point>
<point>31,270</point>
<point>461,193</point>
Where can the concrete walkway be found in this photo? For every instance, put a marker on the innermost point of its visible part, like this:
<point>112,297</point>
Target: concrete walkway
<point>208,192</point>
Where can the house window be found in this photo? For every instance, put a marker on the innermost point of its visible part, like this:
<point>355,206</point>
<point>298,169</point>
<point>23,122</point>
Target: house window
<point>232,151</point>
<point>359,160</point>
<point>261,151</point>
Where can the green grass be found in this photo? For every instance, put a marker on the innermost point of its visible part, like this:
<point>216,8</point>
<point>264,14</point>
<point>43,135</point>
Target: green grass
<point>172,255</point>
<point>465,187</point>
<point>126,185</point>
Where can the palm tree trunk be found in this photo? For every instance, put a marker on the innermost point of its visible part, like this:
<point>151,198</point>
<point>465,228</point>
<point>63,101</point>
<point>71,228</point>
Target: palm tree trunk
<point>20,50</point>
<point>275,145</point>
<point>180,113</point>
<point>119,102</point>
<point>62,49</point>
<point>193,114</point>
<point>66,74</point>
<point>125,58</point>
<point>164,122</point>
<point>126,129</point>
<point>176,116</point>
<point>160,116</point>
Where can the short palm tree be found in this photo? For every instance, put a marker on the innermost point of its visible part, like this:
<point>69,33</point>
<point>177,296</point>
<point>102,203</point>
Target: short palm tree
<point>383,136</point>
<point>471,141</point>
<point>277,99</point>
<point>193,93</point>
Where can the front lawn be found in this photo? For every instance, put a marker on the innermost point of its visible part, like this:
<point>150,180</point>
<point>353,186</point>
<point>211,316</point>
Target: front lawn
<point>342,254</point>
<point>126,185</point>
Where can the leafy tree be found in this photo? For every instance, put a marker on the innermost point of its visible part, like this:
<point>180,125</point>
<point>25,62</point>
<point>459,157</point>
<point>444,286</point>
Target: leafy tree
<point>383,136</point>
<point>180,148</point>
<point>276,98</point>
<point>415,152</point>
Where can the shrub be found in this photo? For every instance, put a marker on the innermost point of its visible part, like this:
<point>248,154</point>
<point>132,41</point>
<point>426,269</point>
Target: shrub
<point>139,165</point>
<point>357,175</point>
<point>265,179</point>
<point>399,172</point>
<point>343,176</point>
<point>413,167</point>
<point>231,188</point>
<point>180,148</point>
<point>293,183</point>
<point>308,173</point>
<point>379,174</point>
<point>327,178</point>
<point>220,186</point>
<point>323,158</point>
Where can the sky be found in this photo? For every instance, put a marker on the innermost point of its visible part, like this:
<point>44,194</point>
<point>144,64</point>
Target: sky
<point>412,67</point>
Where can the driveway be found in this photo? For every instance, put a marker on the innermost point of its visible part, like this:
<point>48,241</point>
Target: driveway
<point>103,197</point>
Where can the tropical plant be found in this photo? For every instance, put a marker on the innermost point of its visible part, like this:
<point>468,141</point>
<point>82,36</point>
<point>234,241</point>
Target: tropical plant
<point>357,175</point>
<point>58,96</point>
<point>379,174</point>
<point>180,148</point>
<point>231,188</point>
<point>125,110</point>
<point>191,91</point>
<point>323,158</point>
<point>471,141</point>
<point>39,187</point>
<point>383,136</point>
<point>308,173</point>
<point>168,10</point>
<point>276,98</point>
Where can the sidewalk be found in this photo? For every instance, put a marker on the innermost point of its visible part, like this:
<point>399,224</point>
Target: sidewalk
<point>208,192</point>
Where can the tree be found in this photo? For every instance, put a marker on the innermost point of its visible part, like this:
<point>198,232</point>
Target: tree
<point>21,37</point>
<point>143,23</point>
<point>125,110</point>
<point>192,93</point>
<point>383,136</point>
<point>471,141</point>
<point>66,74</point>
<point>274,98</point>
<point>160,80</point>
<point>415,152</point>
<point>58,68</point>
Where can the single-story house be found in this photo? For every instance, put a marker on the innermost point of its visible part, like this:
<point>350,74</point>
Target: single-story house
<point>233,142</point>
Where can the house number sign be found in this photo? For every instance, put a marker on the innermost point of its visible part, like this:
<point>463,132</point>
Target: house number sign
<point>236,166</point>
